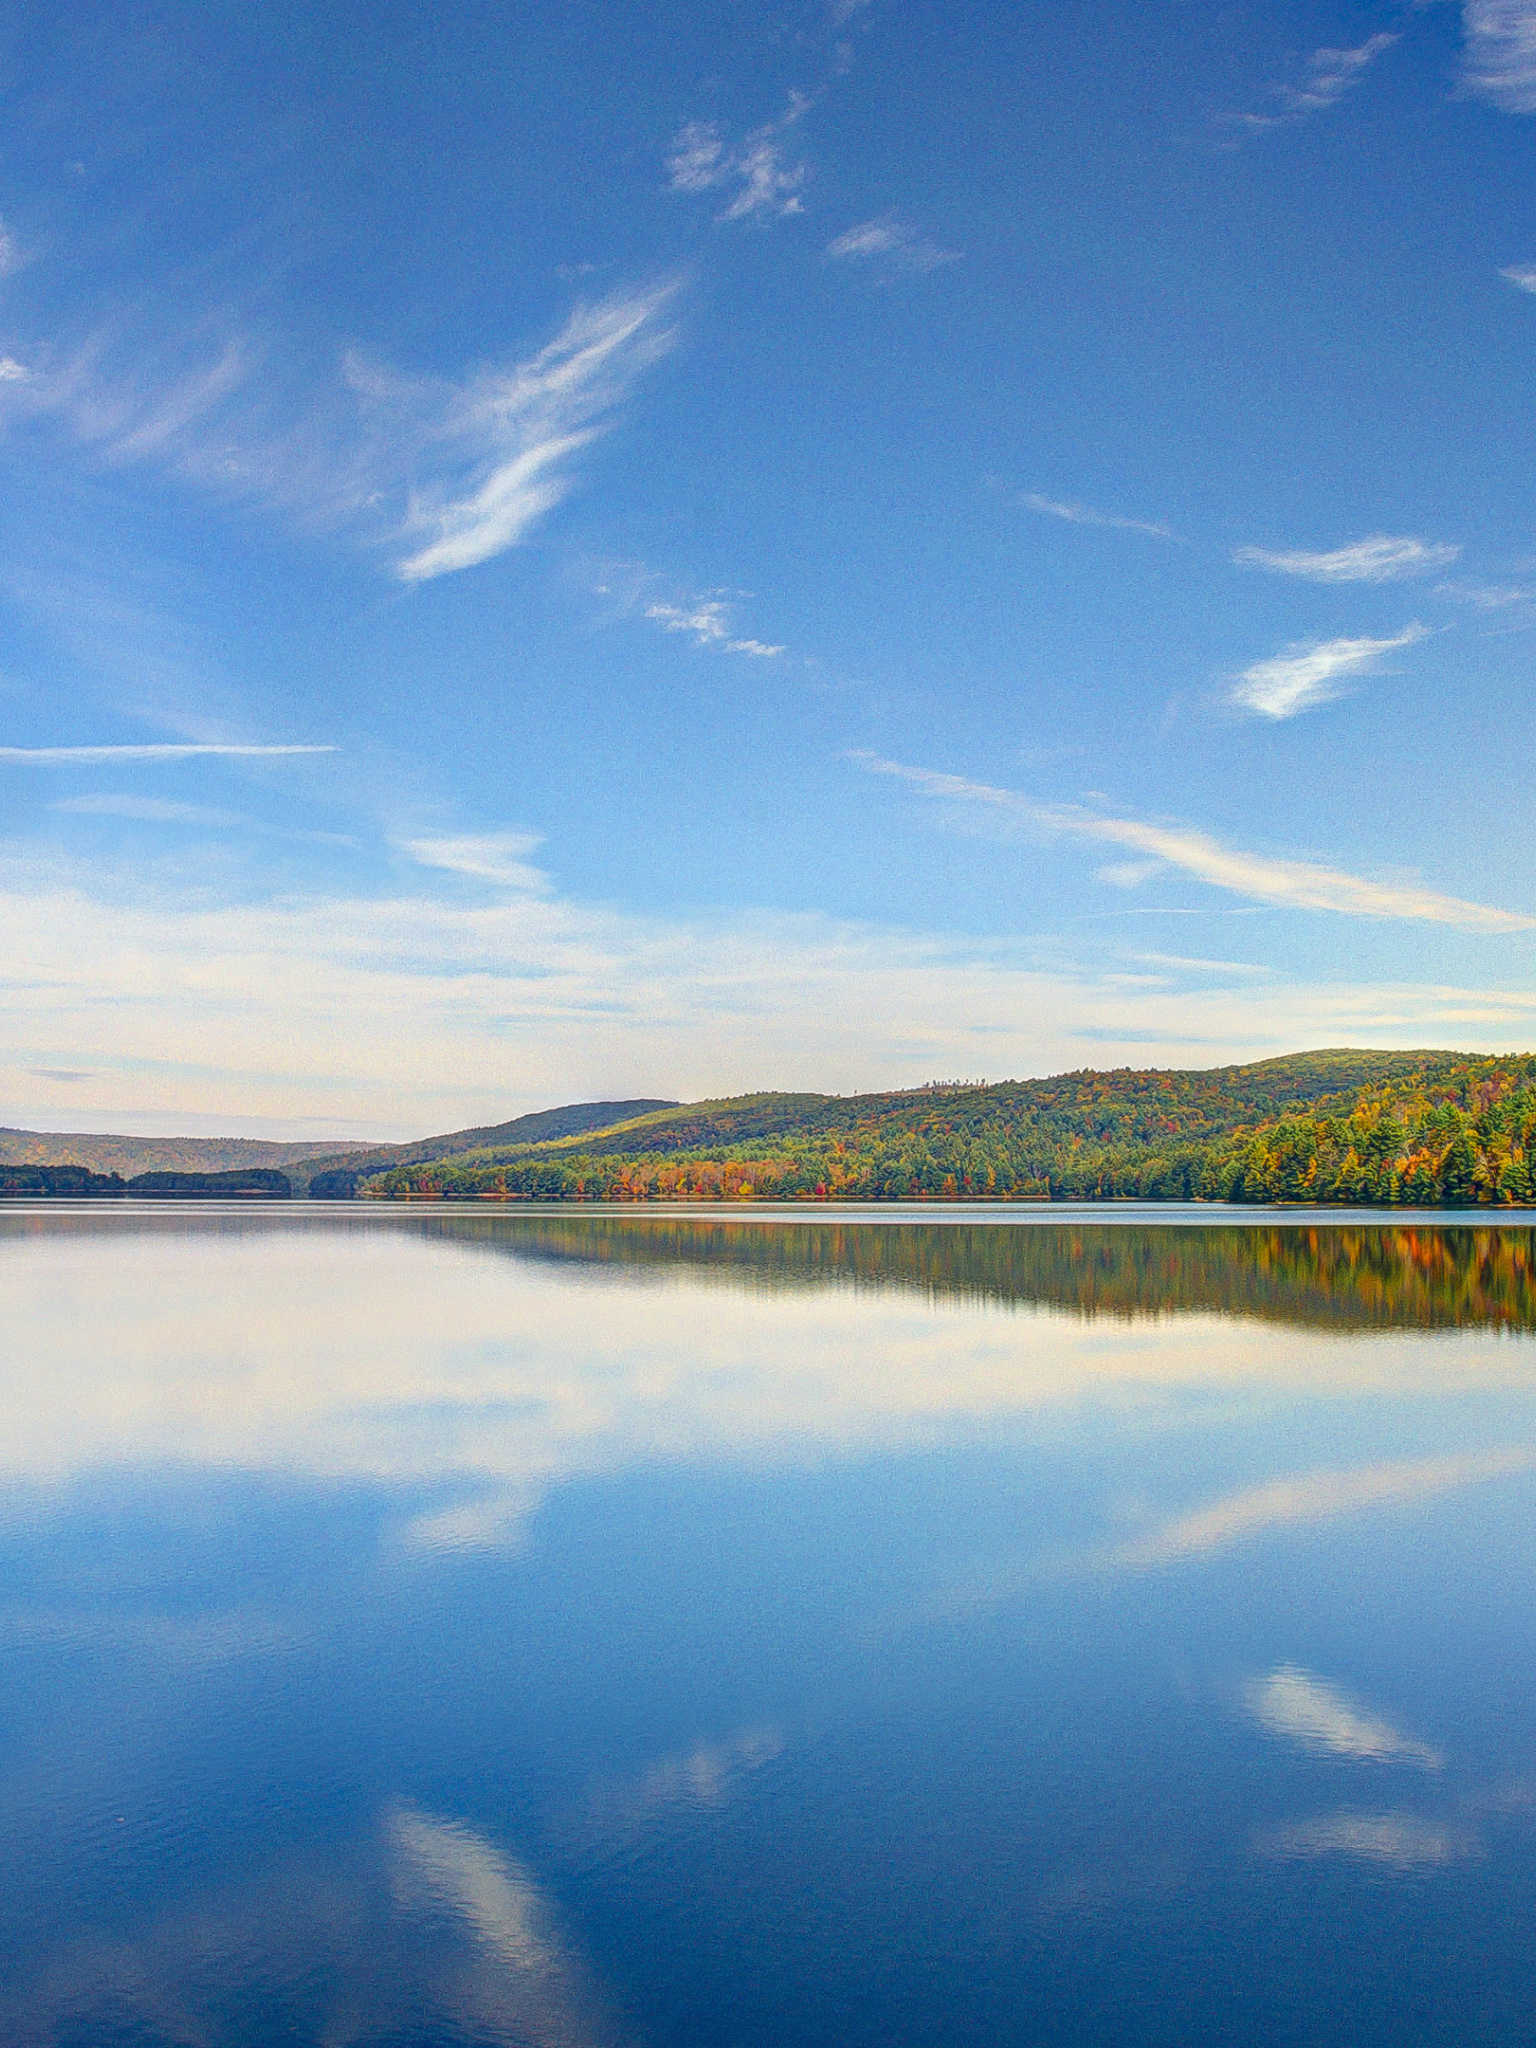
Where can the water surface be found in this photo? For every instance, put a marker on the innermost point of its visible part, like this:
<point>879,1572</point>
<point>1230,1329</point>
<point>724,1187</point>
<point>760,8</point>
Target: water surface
<point>438,1627</point>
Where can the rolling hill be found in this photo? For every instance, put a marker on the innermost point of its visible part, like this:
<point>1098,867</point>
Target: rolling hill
<point>104,1152</point>
<point>1341,1125</point>
<point>107,1153</point>
<point>1447,1126</point>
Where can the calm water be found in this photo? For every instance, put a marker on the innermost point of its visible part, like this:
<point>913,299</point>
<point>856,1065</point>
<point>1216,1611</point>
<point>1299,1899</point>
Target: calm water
<point>425,1629</point>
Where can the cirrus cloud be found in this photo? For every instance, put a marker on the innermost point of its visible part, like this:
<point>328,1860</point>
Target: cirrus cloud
<point>1310,672</point>
<point>1380,558</point>
<point>1499,62</point>
<point>1262,878</point>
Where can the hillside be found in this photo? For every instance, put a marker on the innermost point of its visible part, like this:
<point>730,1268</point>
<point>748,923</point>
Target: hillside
<point>336,1172</point>
<point>1336,1126</point>
<point>303,1162</point>
<point>1157,1134</point>
<point>106,1153</point>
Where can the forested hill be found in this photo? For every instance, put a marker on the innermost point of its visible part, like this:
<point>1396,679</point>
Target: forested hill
<point>338,1172</point>
<point>1337,1125</point>
<point>110,1153</point>
<point>107,1152</point>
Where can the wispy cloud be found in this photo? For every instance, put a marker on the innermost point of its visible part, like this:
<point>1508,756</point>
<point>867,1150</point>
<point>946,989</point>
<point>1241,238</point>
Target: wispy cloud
<point>1380,558</point>
<point>766,184</point>
<point>1328,76</point>
<point>1293,884</point>
<point>1305,1709</point>
<point>131,394</point>
<point>1309,673</point>
<point>516,430</point>
<point>148,809</point>
<point>708,619</point>
<point>890,237</point>
<point>484,857</point>
<point>442,474</point>
<point>1499,63</point>
<point>58,756</point>
<point>1521,275</point>
<point>1085,515</point>
<point>422,1007</point>
<point>1486,597</point>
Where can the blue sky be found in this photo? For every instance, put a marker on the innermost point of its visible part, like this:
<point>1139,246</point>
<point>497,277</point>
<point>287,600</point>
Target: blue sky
<point>585,551</point>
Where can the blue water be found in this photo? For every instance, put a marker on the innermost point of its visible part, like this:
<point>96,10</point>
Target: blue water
<point>420,1628</point>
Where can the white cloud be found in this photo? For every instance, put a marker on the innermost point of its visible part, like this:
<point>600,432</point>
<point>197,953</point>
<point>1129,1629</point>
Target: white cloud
<point>58,756</point>
<point>173,398</point>
<point>150,809</point>
<point>1499,63</point>
<point>1309,673</point>
<point>1127,874</point>
<point>874,238</point>
<point>516,429</point>
<point>445,474</point>
<point>708,620</point>
<point>1293,884</point>
<point>1381,558</point>
<point>1084,515</point>
<point>890,236</point>
<point>485,857</point>
<point>10,255</point>
<point>699,161</point>
<point>769,185</point>
<point>1521,275</point>
<point>1329,75</point>
<point>432,1008</point>
<point>1485,597</point>
<point>1305,1709</point>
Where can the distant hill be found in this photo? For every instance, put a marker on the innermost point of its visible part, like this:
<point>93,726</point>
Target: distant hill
<point>301,1161</point>
<point>1340,1125</point>
<point>338,1171</point>
<point>105,1153</point>
<point>1089,1135</point>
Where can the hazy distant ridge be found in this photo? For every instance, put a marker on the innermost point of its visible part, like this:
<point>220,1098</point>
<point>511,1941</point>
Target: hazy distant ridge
<point>108,1153</point>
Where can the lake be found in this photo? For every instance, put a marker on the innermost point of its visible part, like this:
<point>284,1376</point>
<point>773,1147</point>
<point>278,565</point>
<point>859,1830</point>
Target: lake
<point>593,1630</point>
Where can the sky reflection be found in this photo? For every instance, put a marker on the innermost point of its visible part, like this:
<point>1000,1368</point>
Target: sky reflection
<point>415,1639</point>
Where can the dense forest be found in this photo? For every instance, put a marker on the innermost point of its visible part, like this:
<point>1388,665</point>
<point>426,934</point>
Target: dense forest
<point>1337,1127</point>
<point>80,1183</point>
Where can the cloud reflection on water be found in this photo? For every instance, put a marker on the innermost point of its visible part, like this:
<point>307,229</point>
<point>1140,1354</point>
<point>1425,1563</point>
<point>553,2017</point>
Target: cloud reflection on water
<point>421,1928</point>
<point>1313,1497</point>
<point>1400,1842</point>
<point>1308,1710</point>
<point>386,1355</point>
